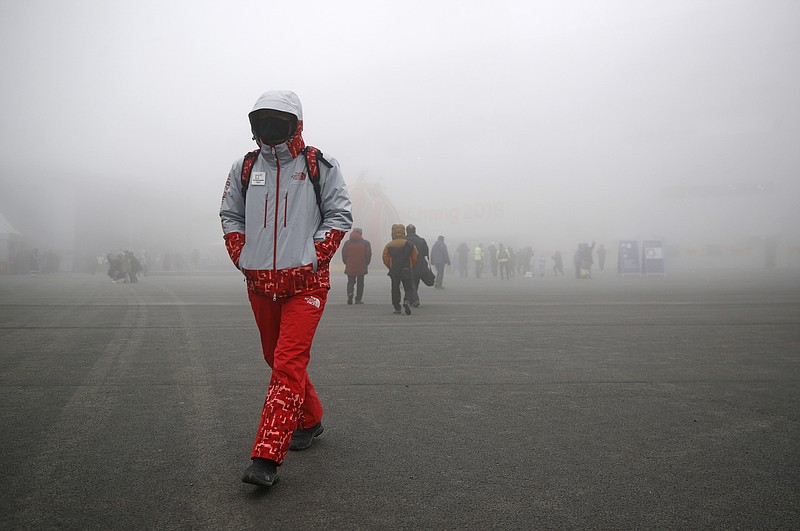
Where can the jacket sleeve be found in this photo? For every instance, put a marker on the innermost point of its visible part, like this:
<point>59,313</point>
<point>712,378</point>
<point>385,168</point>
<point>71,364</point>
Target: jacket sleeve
<point>327,247</point>
<point>414,255</point>
<point>234,243</point>
<point>369,253</point>
<point>336,207</point>
<point>231,213</point>
<point>387,258</point>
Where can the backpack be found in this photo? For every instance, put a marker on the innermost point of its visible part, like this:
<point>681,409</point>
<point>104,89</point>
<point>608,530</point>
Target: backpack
<point>311,154</point>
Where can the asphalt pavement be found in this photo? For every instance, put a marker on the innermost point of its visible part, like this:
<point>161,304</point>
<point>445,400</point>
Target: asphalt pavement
<point>532,403</point>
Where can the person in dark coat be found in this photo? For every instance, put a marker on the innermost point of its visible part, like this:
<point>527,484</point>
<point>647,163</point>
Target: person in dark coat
<point>356,255</point>
<point>439,258</point>
<point>399,256</point>
<point>421,267</point>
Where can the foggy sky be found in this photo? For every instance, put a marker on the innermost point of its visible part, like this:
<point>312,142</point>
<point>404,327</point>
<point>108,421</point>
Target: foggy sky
<point>559,121</point>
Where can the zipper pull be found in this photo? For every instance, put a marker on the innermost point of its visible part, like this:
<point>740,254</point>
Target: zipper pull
<point>274,297</point>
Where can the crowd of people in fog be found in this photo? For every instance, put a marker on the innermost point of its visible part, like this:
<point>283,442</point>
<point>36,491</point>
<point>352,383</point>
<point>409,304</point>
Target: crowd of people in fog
<point>410,261</point>
<point>496,259</point>
<point>124,267</point>
<point>46,263</point>
<point>503,261</point>
<point>26,260</point>
<point>115,263</point>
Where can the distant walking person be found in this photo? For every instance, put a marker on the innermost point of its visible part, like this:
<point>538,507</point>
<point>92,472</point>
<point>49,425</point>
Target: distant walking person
<point>477,255</point>
<point>399,256</point>
<point>502,261</point>
<point>356,255</point>
<point>439,258</point>
<point>421,267</point>
<point>135,266</point>
<point>127,266</point>
<point>282,238</point>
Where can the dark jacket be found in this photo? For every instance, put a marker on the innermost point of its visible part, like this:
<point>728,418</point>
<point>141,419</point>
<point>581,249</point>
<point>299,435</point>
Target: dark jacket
<point>400,255</point>
<point>421,265</point>
<point>439,254</point>
<point>356,255</point>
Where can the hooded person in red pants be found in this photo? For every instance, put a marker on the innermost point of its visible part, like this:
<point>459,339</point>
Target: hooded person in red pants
<point>281,231</point>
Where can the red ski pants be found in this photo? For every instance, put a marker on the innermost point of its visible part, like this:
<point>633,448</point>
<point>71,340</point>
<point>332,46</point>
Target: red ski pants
<point>287,328</point>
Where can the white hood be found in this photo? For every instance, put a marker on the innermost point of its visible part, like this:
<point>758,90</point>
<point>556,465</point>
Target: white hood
<point>280,100</point>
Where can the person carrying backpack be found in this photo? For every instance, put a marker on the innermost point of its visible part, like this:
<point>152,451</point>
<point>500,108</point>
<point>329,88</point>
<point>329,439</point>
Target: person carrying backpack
<point>503,259</point>
<point>285,210</point>
<point>478,257</point>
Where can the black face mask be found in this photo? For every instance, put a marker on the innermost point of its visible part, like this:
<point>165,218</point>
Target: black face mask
<point>273,131</point>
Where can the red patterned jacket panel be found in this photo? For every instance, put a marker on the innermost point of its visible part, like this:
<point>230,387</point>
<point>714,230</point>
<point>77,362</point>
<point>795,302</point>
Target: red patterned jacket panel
<point>288,282</point>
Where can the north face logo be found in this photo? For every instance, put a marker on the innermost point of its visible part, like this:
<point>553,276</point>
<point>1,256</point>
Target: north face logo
<point>313,301</point>
<point>299,176</point>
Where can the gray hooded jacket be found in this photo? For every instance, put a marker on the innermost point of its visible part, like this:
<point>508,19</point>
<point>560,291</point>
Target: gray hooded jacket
<point>279,215</point>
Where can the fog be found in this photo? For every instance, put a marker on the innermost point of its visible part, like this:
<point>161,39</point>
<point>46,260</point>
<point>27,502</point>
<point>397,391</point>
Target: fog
<point>537,124</point>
